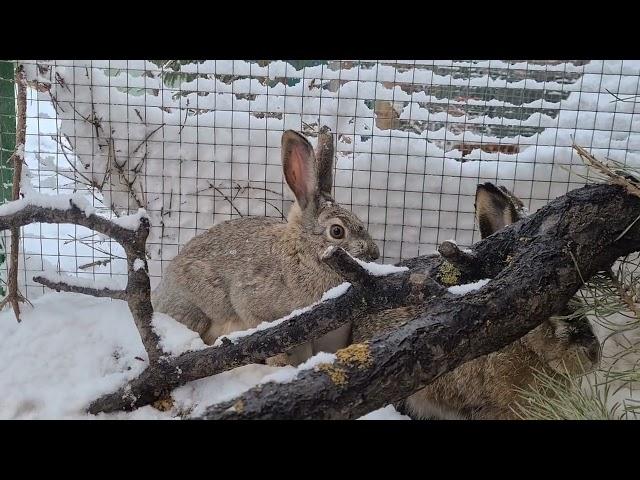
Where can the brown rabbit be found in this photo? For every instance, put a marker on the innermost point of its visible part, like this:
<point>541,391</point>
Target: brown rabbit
<point>486,387</point>
<point>246,271</point>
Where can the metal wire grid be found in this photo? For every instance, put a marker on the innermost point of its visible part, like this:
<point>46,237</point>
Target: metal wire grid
<point>211,141</point>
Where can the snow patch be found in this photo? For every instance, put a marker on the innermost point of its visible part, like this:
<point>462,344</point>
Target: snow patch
<point>468,287</point>
<point>61,202</point>
<point>175,338</point>
<point>386,413</point>
<point>131,222</point>
<point>380,269</point>
<point>288,374</point>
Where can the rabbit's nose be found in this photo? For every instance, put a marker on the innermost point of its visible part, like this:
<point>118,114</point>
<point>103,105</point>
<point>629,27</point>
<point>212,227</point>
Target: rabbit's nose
<point>375,253</point>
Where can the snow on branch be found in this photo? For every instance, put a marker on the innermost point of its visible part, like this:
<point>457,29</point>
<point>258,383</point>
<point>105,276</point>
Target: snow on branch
<point>130,231</point>
<point>336,307</point>
<point>68,283</point>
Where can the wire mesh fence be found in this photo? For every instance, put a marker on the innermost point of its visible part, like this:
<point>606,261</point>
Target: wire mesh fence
<point>196,143</point>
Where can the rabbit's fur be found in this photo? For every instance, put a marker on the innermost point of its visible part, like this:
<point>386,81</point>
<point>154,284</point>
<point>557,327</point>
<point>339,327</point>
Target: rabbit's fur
<point>486,387</point>
<point>246,271</point>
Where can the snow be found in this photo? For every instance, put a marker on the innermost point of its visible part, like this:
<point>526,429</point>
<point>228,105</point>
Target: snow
<point>68,350</point>
<point>138,264</point>
<point>334,292</point>
<point>62,202</point>
<point>196,396</point>
<point>376,269</point>
<point>71,348</point>
<point>386,413</point>
<point>469,287</point>
<point>380,270</point>
<point>175,338</point>
<point>289,374</point>
<point>131,222</point>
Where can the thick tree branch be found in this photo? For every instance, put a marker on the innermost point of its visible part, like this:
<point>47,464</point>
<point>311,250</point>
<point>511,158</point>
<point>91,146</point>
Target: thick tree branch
<point>26,211</point>
<point>535,279</point>
<point>388,291</point>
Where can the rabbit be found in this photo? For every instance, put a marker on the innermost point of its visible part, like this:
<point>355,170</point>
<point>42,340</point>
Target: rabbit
<point>487,387</point>
<point>254,269</point>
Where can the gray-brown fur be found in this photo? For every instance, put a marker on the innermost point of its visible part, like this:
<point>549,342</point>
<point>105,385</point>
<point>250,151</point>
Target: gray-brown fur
<point>487,387</point>
<point>496,207</point>
<point>254,269</point>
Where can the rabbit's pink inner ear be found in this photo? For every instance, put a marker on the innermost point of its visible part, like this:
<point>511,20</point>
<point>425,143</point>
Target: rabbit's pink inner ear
<point>299,175</point>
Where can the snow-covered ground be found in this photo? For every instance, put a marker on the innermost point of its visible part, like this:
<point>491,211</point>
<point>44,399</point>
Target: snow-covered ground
<point>70,348</point>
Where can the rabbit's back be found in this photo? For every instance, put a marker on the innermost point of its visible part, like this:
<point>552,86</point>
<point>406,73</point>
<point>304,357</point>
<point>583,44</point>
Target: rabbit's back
<point>482,389</point>
<point>238,274</point>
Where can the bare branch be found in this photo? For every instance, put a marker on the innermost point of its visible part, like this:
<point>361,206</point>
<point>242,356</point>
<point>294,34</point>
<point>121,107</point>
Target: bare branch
<point>613,176</point>
<point>97,263</point>
<point>41,214</point>
<point>155,382</point>
<point>60,286</point>
<point>528,260</point>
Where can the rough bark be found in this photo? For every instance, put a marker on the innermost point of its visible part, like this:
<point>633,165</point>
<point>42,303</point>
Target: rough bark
<point>543,261</point>
<point>139,292</point>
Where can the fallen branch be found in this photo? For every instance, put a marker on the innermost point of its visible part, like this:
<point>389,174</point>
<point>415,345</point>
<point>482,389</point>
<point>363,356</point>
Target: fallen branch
<point>535,279</point>
<point>487,259</point>
<point>157,381</point>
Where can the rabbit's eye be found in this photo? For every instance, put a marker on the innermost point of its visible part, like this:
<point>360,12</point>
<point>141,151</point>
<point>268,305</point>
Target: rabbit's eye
<point>337,231</point>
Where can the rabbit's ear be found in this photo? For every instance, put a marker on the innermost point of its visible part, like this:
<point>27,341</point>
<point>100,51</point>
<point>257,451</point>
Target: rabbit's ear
<point>495,208</point>
<point>299,166</point>
<point>324,160</point>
